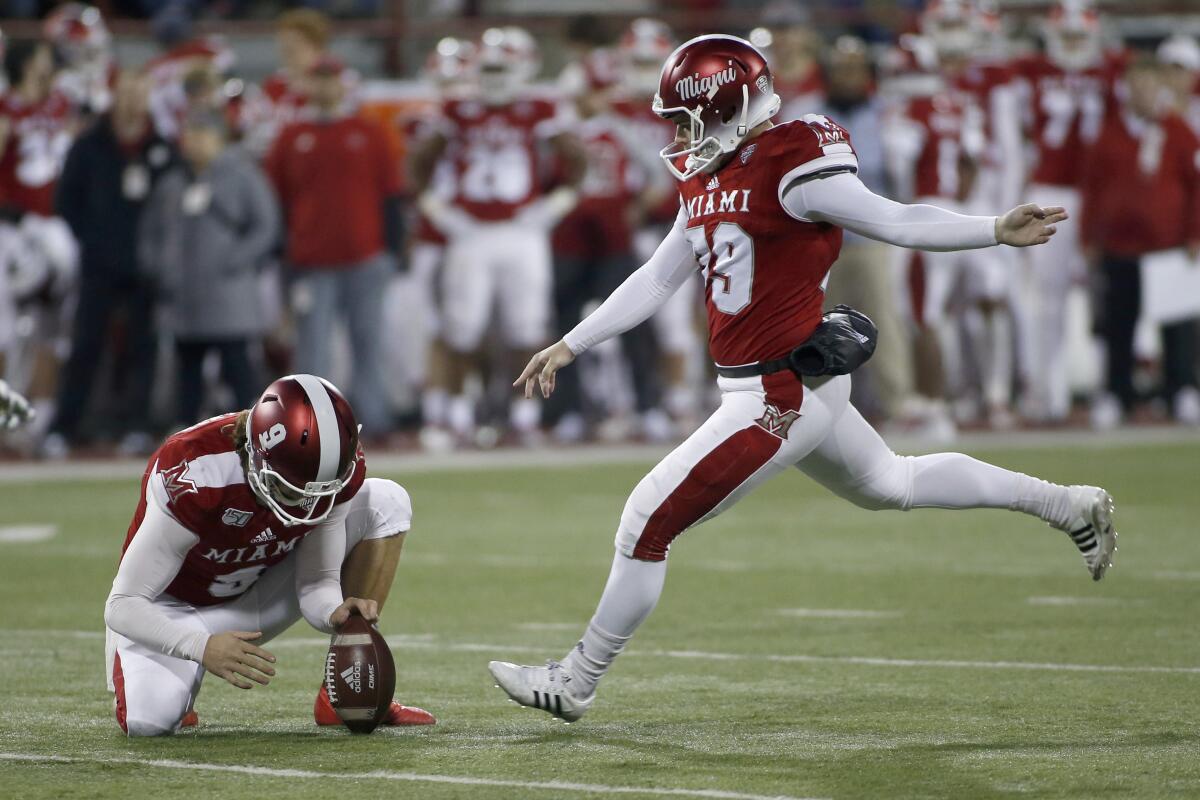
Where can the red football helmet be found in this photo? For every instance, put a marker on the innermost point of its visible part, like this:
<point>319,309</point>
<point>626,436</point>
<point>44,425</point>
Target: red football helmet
<point>449,63</point>
<point>507,60</point>
<point>302,440</point>
<point>643,48</point>
<point>723,87</point>
<point>78,34</point>
<point>952,26</point>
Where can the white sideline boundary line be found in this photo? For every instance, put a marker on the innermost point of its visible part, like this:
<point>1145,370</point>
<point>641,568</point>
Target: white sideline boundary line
<point>387,775</point>
<point>407,463</point>
<point>425,642</point>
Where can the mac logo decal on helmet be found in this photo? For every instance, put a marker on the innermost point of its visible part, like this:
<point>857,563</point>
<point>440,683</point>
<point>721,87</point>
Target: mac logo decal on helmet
<point>302,448</point>
<point>706,85</point>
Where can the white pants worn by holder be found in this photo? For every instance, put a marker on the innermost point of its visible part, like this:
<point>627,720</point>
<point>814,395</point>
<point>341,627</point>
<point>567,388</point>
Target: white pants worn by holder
<point>155,691</point>
<point>502,265</point>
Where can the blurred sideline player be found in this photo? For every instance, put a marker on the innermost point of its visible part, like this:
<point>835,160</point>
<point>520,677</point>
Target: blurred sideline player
<point>83,47</point>
<point>184,53</point>
<point>1180,57</point>
<point>1066,94</point>
<point>448,71</point>
<point>14,409</point>
<point>593,253</point>
<point>763,207</point>
<point>498,219</point>
<point>37,124</point>
<point>643,48</point>
<point>246,522</point>
<point>301,37</point>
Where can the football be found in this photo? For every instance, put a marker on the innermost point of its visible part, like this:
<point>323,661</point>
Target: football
<point>360,675</point>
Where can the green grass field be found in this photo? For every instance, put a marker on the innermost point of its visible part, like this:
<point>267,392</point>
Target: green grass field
<point>803,648</point>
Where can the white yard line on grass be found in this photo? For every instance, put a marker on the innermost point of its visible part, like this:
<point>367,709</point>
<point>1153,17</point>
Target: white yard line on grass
<point>22,534</point>
<point>387,775</point>
<point>1080,601</point>
<point>836,613</point>
<point>397,463</point>
<point>429,642</point>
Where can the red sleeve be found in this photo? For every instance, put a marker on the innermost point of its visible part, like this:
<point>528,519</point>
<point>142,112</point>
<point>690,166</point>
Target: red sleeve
<point>811,146</point>
<point>1190,156</point>
<point>389,162</point>
<point>1091,188</point>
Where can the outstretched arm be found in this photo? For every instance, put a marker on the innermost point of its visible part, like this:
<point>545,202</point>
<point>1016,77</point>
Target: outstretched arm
<point>630,304</point>
<point>843,200</point>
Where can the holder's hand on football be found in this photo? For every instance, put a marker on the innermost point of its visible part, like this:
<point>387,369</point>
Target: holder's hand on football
<point>1028,225</point>
<point>232,657</point>
<point>541,368</point>
<point>367,609</point>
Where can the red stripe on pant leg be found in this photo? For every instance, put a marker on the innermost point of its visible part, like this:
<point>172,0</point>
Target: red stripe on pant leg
<point>712,480</point>
<point>119,686</point>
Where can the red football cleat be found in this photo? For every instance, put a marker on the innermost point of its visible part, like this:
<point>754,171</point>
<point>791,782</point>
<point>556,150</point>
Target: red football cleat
<point>324,714</point>
<point>408,715</point>
<point>190,720</point>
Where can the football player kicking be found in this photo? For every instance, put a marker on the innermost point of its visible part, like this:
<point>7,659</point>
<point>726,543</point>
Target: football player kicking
<point>246,522</point>
<point>762,212</point>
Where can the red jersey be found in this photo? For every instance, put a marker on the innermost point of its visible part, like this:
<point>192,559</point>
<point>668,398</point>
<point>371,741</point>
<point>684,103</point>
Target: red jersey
<point>600,224</point>
<point>653,133</point>
<point>1064,112</point>
<point>38,139</point>
<point>441,182</point>
<point>1141,186</point>
<point>332,177</point>
<point>497,169</point>
<point>944,128</point>
<point>765,270</point>
<point>197,476</point>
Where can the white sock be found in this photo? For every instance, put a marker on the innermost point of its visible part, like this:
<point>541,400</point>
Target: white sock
<point>525,414</point>
<point>460,414</point>
<point>433,406</point>
<point>630,595</point>
<point>953,480</point>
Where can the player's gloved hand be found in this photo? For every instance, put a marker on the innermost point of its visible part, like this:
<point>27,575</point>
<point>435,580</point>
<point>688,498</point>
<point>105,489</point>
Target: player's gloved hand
<point>367,609</point>
<point>541,368</point>
<point>1028,225</point>
<point>14,409</point>
<point>451,222</point>
<point>547,212</point>
<point>232,657</point>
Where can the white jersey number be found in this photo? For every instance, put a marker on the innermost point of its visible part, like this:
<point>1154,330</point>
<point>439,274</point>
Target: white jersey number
<point>1062,105</point>
<point>499,174</point>
<point>235,583</point>
<point>728,265</point>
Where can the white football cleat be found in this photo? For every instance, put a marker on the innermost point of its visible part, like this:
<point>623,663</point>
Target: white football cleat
<point>545,687</point>
<point>1091,527</point>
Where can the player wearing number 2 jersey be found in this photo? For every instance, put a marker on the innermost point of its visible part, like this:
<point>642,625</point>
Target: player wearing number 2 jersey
<point>242,527</point>
<point>762,208</point>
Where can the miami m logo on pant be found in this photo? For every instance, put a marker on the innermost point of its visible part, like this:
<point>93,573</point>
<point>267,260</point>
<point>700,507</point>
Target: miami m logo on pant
<point>777,422</point>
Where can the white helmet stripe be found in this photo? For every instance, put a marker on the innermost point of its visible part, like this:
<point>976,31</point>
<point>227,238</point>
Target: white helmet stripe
<point>327,426</point>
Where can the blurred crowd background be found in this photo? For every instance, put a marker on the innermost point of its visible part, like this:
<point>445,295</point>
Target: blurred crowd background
<point>410,198</point>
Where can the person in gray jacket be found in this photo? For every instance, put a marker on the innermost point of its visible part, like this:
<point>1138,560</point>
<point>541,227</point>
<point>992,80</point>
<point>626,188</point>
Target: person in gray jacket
<point>210,225</point>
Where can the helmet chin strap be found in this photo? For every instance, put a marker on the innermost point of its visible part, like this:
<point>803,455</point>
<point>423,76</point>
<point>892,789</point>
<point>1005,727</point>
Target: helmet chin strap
<point>742,130</point>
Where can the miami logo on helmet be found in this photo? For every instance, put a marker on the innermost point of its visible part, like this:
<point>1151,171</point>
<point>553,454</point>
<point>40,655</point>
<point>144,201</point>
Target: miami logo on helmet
<point>694,86</point>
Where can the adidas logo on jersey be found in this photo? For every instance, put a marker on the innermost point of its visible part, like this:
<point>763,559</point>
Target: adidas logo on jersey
<point>265,536</point>
<point>714,183</point>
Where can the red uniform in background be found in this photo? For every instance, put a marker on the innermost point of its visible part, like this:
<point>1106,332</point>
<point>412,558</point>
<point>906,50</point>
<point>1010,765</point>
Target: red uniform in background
<point>599,226</point>
<point>1064,111</point>
<point>1141,186</point>
<point>332,178</point>
<point>38,140</point>
<point>496,162</point>
<point>204,488</point>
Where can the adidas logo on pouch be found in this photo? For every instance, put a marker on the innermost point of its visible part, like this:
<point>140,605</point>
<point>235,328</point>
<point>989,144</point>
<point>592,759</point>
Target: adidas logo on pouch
<point>265,536</point>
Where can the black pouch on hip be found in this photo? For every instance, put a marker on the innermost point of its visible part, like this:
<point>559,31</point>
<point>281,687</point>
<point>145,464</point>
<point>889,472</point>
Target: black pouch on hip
<point>842,343</point>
